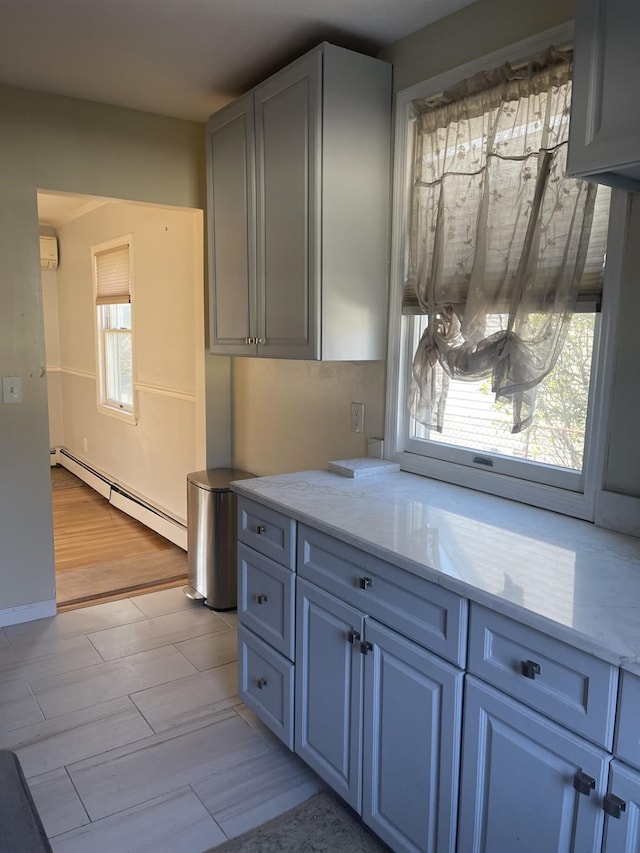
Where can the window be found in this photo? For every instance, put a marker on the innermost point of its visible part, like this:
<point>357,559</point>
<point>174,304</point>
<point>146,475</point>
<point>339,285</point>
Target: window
<point>112,277</point>
<point>497,287</point>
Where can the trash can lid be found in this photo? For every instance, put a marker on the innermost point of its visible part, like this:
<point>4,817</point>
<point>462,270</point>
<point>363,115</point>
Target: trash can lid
<point>217,479</point>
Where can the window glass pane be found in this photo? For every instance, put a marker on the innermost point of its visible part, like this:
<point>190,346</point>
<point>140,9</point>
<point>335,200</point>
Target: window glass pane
<point>118,367</point>
<point>116,316</point>
<point>475,421</point>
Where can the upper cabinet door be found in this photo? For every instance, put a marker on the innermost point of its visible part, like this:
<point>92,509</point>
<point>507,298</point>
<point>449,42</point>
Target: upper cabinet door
<point>287,122</point>
<point>231,225</point>
<point>604,143</point>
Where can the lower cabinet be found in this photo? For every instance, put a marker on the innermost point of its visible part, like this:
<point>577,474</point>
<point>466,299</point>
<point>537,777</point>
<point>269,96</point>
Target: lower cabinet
<point>622,805</point>
<point>378,718</point>
<point>366,697</point>
<point>528,785</point>
<point>265,684</point>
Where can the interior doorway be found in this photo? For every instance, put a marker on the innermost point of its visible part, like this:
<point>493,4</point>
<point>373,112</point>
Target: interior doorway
<point>137,464</point>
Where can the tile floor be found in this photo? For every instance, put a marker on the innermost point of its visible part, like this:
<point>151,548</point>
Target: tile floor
<point>130,732</point>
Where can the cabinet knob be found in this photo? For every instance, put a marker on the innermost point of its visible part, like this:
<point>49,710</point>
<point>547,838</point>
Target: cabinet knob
<point>352,636</point>
<point>583,783</point>
<point>529,668</point>
<point>260,529</point>
<point>261,598</point>
<point>364,583</point>
<point>260,683</point>
<point>613,806</point>
<point>365,648</point>
<point>259,340</point>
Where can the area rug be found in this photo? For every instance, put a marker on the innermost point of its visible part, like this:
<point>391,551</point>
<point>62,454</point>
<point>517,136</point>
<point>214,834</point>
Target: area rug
<point>319,825</point>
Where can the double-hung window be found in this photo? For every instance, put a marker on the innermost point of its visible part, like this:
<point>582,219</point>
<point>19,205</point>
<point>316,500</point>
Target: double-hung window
<point>113,287</point>
<point>499,268</point>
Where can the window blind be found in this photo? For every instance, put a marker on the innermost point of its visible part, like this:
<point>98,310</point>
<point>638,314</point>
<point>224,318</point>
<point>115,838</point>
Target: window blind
<point>113,276</point>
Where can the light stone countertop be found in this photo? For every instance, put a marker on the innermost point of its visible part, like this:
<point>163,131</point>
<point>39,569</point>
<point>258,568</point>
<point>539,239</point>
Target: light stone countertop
<point>568,578</point>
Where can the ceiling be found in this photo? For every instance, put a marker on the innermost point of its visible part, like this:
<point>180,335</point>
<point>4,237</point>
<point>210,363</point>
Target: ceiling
<point>185,58</point>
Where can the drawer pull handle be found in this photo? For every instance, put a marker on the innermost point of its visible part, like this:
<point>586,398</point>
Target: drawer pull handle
<point>613,806</point>
<point>365,648</point>
<point>261,598</point>
<point>352,636</point>
<point>260,529</point>
<point>583,783</point>
<point>529,668</point>
<point>260,683</point>
<point>364,583</point>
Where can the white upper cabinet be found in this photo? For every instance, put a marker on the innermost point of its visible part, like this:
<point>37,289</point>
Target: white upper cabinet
<point>298,204</point>
<point>604,141</point>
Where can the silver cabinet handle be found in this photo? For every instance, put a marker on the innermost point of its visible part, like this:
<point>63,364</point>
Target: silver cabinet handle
<point>260,529</point>
<point>261,598</point>
<point>529,668</point>
<point>583,783</point>
<point>613,806</point>
<point>260,683</point>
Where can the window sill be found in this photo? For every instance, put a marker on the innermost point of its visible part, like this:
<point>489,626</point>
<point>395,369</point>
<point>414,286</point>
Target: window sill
<point>575,504</point>
<point>122,415</point>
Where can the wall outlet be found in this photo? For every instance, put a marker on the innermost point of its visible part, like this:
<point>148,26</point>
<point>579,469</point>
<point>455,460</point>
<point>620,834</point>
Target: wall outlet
<point>11,389</point>
<point>357,417</point>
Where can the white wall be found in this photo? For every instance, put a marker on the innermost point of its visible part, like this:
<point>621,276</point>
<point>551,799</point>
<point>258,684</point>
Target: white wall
<point>56,143</point>
<point>52,352</point>
<point>295,415</point>
<point>152,456</point>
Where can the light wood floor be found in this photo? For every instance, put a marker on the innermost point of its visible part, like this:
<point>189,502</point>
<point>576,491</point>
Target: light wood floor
<point>103,554</point>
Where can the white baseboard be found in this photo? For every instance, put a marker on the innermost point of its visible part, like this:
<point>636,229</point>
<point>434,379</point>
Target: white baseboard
<point>171,530</point>
<point>85,473</point>
<point>137,508</point>
<point>618,512</point>
<point>27,612</point>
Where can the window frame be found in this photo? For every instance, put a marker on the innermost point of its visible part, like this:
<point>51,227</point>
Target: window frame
<point>578,500</point>
<point>105,406</point>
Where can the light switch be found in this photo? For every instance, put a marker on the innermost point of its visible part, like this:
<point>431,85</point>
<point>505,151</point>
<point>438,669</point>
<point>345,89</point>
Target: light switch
<point>11,389</point>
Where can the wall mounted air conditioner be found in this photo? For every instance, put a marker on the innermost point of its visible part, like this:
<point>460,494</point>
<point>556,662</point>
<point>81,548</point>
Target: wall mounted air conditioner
<point>48,253</point>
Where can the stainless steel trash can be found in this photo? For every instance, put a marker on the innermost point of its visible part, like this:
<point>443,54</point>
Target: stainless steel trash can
<point>211,537</point>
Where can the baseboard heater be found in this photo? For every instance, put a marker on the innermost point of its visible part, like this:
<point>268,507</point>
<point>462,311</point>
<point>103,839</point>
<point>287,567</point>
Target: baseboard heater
<point>121,499</point>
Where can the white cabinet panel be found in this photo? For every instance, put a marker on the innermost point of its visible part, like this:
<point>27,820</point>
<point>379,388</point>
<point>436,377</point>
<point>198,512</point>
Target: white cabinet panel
<point>622,825</point>
<point>328,690</point>
<point>265,684</point>
<point>287,116</point>
<point>628,726</point>
<point>518,773</point>
<point>568,685</point>
<point>604,142</point>
<point>412,720</point>
<point>231,223</point>
<point>298,191</point>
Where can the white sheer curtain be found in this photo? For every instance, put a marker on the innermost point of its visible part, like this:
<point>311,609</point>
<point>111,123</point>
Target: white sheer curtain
<point>497,229</point>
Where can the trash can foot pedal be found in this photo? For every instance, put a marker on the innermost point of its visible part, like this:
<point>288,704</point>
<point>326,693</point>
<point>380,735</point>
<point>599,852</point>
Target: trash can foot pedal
<point>192,593</point>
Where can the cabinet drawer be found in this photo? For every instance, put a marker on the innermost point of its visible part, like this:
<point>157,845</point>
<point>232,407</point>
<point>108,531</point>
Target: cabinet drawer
<point>433,617</point>
<point>266,596</point>
<point>565,684</point>
<point>265,684</point>
<point>268,531</point>
<point>628,732</point>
